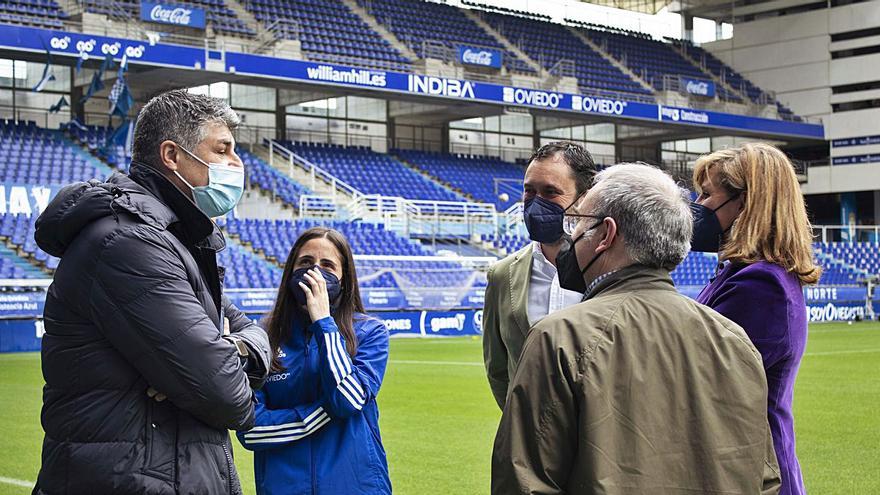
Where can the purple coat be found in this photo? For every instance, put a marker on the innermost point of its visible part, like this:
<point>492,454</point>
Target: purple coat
<point>768,303</point>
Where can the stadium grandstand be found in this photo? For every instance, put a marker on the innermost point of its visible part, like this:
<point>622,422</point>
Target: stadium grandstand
<point>407,125</point>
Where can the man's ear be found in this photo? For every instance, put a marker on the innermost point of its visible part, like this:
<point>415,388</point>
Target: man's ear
<point>169,155</point>
<point>610,235</point>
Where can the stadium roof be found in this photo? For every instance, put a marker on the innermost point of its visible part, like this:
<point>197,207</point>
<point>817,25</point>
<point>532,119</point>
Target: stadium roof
<point>718,10</point>
<point>642,6</point>
<point>736,10</point>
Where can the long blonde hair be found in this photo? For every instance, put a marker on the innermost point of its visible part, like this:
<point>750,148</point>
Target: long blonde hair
<point>773,225</point>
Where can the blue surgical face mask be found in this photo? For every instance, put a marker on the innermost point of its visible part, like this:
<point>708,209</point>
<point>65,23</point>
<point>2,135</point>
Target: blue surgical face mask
<point>543,220</point>
<point>707,228</point>
<point>224,189</point>
<point>334,288</point>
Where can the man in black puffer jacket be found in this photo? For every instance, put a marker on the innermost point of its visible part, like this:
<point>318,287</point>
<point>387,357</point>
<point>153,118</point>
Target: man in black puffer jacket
<point>142,385</point>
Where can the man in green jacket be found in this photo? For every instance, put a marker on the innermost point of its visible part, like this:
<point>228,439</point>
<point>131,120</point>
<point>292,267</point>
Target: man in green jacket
<point>524,287</point>
<point>637,389</point>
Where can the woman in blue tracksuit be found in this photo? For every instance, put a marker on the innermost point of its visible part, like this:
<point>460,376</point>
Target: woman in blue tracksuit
<point>317,423</point>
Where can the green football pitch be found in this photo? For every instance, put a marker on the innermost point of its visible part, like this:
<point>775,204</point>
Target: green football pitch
<point>438,418</point>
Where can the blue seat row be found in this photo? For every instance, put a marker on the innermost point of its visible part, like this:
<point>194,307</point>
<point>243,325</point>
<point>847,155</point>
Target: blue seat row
<point>264,176</point>
<point>373,173</point>
<point>549,43</point>
<point>43,157</point>
<point>415,22</point>
<point>485,179</point>
<point>330,31</point>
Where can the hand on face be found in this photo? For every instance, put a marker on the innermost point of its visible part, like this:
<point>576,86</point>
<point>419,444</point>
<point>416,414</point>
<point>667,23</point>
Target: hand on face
<point>317,299</point>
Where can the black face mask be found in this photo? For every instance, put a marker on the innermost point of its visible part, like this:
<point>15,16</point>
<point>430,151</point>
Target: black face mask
<point>334,287</point>
<point>707,229</point>
<point>571,276</point>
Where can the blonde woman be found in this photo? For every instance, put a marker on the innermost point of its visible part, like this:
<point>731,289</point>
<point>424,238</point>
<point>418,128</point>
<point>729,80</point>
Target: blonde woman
<point>751,211</point>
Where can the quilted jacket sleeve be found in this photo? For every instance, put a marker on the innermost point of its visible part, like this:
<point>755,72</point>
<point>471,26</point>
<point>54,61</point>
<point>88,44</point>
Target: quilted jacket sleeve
<point>147,310</point>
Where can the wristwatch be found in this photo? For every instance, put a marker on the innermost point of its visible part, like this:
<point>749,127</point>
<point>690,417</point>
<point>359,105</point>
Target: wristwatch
<point>240,346</point>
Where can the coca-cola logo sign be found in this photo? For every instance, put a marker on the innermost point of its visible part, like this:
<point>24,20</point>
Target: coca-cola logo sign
<point>483,57</point>
<point>699,87</point>
<point>177,15</point>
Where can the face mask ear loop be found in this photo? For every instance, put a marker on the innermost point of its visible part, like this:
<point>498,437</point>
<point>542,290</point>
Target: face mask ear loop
<point>193,155</point>
<point>188,152</point>
<point>724,203</point>
<point>184,180</point>
<point>728,229</point>
<point>596,226</point>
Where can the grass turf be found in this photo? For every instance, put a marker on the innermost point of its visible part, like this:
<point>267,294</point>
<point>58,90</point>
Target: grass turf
<point>438,418</point>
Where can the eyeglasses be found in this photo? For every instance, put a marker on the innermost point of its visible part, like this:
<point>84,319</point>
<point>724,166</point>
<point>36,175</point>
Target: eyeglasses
<point>570,221</point>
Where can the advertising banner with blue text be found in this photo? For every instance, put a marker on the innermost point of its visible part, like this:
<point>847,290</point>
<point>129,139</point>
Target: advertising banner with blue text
<point>432,323</point>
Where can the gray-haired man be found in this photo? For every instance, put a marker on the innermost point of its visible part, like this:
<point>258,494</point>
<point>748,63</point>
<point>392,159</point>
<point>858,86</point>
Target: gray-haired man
<point>141,385</point>
<point>637,389</point>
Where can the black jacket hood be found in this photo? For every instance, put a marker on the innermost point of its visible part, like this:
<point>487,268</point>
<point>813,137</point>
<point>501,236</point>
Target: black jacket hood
<point>144,193</point>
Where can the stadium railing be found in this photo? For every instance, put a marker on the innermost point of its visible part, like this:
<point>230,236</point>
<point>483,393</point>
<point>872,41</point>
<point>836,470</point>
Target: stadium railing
<point>847,233</point>
<point>315,172</point>
<point>616,95</point>
<point>406,215</point>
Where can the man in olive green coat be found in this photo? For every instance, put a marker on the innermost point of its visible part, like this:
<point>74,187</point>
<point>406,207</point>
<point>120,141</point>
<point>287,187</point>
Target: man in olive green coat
<point>637,389</point>
<point>524,287</point>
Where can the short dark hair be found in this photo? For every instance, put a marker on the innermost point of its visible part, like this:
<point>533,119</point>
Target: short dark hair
<point>576,156</point>
<point>177,116</point>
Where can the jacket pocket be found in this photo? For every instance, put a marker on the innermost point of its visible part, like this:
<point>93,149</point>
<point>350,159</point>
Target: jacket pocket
<point>159,442</point>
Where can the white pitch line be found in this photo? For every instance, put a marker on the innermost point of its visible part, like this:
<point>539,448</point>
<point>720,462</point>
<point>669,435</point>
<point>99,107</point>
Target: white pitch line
<point>445,363</point>
<point>840,330</point>
<point>13,481</point>
<point>450,342</point>
<point>852,351</point>
<point>471,363</point>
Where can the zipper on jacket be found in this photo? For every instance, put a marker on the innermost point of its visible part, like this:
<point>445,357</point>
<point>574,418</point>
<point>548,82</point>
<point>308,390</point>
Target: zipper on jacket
<point>148,435</point>
<point>308,366</point>
<point>228,467</point>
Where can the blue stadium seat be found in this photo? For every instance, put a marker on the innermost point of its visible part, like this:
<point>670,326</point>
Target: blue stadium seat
<point>218,15</point>
<point>650,58</point>
<point>244,270</point>
<point>414,22</point>
<point>732,77</point>
<point>474,175</point>
<point>549,43</point>
<point>331,32</point>
<point>94,138</point>
<point>371,172</point>
<point>275,238</point>
<point>18,233</point>
<point>37,156</point>
<point>264,176</point>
